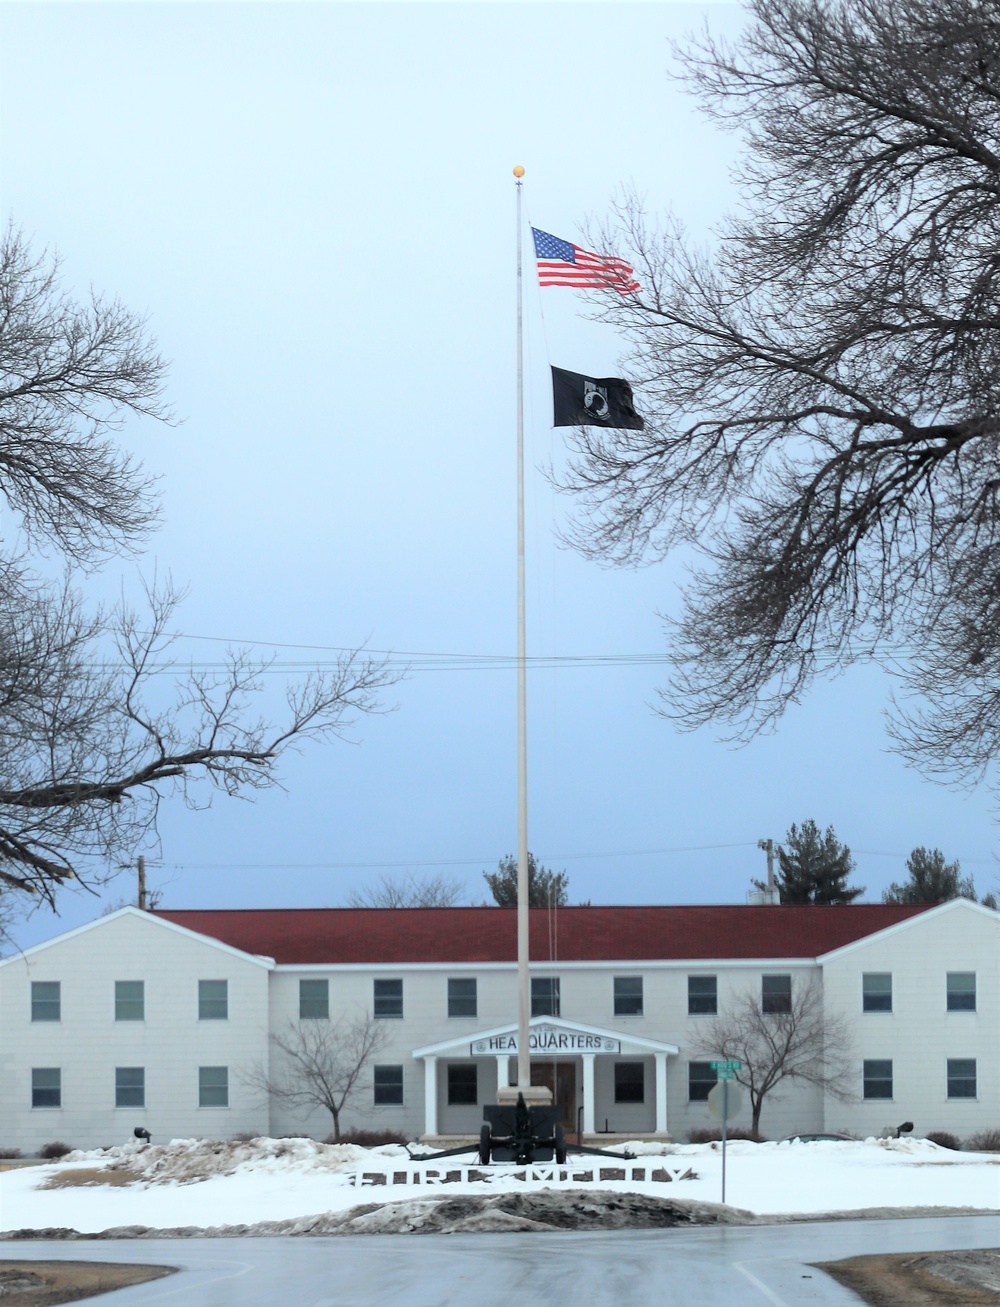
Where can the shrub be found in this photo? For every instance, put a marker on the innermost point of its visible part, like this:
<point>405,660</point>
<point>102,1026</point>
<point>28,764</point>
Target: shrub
<point>944,1139</point>
<point>243,1137</point>
<point>367,1138</point>
<point>56,1149</point>
<point>983,1141</point>
<point>712,1135</point>
<point>8,1154</point>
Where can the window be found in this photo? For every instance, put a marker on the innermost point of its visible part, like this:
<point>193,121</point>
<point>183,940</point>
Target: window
<point>213,1000</point>
<point>961,991</point>
<point>45,1000</point>
<point>776,994</point>
<point>701,1079</point>
<point>877,1077</point>
<point>130,1000</point>
<point>462,998</point>
<point>630,1082</point>
<point>130,1086</point>
<point>388,999</point>
<point>314,1000</point>
<point>388,1084</point>
<point>46,1086</point>
<point>545,996</point>
<point>876,991</point>
<point>463,1084</point>
<point>961,1077</point>
<point>628,996</point>
<point>703,996</point>
<point>213,1086</point>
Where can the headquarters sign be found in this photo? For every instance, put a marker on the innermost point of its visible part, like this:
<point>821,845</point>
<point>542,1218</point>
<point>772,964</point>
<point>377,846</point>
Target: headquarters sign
<point>548,1039</point>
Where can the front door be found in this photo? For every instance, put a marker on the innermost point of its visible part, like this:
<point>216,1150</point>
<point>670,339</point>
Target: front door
<point>560,1078</point>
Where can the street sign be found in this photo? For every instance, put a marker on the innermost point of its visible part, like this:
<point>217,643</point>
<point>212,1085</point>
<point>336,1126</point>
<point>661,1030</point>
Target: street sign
<point>725,1100</point>
<point>725,1075</point>
<point>726,1066</point>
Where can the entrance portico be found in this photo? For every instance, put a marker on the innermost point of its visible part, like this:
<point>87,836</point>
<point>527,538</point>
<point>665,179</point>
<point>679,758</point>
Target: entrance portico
<point>553,1040</point>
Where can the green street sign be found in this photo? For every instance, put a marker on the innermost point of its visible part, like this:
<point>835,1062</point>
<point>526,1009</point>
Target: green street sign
<point>725,1075</point>
<point>726,1066</point>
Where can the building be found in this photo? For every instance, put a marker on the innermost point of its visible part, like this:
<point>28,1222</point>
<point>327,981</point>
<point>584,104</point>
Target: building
<point>166,1019</point>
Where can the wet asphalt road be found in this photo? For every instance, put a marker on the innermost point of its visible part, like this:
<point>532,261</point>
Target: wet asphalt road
<point>728,1267</point>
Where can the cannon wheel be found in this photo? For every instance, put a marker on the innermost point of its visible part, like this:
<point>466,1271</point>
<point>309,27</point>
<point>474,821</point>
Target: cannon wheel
<point>485,1143</point>
<point>560,1135</point>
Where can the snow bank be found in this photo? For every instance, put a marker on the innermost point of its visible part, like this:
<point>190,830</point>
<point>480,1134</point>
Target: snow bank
<point>207,1184</point>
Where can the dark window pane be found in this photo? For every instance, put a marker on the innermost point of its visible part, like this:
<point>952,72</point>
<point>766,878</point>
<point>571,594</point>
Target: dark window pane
<point>388,998</point>
<point>961,991</point>
<point>213,1086</point>
<point>703,996</point>
<point>46,1086</point>
<point>314,1000</point>
<point>462,998</point>
<point>876,991</point>
<point>630,1082</point>
<point>877,1075</point>
<point>45,1000</point>
<point>628,996</point>
<point>213,1000</point>
<point>961,1077</point>
<point>545,996</point>
<point>701,1079</point>
<point>130,1000</point>
<point>776,994</point>
<point>130,1086</point>
<point>463,1083</point>
<point>388,1085</point>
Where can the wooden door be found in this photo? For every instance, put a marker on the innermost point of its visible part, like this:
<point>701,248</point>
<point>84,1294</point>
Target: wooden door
<point>560,1078</point>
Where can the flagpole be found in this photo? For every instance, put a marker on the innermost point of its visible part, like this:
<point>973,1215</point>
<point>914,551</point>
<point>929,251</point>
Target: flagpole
<point>523,987</point>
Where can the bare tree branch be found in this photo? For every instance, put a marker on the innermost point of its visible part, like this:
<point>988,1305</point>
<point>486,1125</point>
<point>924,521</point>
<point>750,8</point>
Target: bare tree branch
<point>408,891</point>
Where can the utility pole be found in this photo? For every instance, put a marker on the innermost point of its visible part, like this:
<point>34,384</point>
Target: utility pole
<point>767,846</point>
<point>142,883</point>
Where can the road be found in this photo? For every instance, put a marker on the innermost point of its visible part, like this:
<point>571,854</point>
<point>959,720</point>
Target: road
<point>754,1266</point>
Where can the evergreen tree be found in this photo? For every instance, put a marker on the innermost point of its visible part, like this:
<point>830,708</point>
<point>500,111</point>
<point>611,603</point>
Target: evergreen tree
<point>545,888</point>
<point>931,880</point>
<point>815,868</point>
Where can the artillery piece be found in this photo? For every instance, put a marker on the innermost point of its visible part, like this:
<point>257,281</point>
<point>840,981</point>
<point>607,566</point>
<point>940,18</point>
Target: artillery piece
<point>519,1133</point>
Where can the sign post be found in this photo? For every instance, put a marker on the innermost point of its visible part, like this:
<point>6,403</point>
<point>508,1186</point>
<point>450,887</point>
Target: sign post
<point>725,1101</point>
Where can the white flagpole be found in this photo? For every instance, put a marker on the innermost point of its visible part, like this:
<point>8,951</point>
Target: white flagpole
<point>523,1005</point>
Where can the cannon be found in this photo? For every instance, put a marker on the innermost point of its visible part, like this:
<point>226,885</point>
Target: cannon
<point>519,1133</point>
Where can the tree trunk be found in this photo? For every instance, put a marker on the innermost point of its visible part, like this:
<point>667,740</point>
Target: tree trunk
<point>335,1113</point>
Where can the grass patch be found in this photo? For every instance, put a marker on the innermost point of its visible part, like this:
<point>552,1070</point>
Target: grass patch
<point>89,1175</point>
<point>44,1284</point>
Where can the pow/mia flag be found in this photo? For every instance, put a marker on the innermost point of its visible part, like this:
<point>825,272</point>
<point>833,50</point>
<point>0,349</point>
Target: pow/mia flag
<point>581,401</point>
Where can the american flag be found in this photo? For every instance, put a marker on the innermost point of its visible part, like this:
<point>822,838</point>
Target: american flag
<point>560,263</point>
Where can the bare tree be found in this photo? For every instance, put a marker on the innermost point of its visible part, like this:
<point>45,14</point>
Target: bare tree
<point>408,892</point>
<point>822,388</point>
<point>322,1064</point>
<point>804,1045</point>
<point>70,373</point>
<point>94,736</point>
<point>94,731</point>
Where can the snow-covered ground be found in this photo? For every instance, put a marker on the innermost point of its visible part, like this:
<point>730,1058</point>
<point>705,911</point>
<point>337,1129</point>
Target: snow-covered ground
<point>197,1183</point>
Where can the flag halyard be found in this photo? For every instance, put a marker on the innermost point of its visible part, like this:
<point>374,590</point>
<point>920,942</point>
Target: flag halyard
<point>561,263</point>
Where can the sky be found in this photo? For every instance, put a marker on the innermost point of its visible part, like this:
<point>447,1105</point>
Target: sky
<point>314,206</point>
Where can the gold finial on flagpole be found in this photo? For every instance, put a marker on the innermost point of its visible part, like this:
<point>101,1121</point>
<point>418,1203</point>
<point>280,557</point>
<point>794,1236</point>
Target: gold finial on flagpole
<point>518,172</point>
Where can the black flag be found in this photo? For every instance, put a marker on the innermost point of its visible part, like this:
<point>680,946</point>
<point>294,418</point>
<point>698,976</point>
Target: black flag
<point>581,401</point>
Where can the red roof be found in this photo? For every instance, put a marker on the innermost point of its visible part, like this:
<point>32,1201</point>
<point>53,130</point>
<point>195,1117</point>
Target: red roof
<point>389,936</point>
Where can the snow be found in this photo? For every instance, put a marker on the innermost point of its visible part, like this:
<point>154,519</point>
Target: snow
<point>201,1183</point>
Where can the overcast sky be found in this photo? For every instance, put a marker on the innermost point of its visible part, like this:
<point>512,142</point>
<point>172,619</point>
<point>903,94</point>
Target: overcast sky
<point>314,205</point>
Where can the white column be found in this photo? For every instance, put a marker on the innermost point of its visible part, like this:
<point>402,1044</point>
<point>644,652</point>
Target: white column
<point>661,1093</point>
<point>430,1096</point>
<point>588,1093</point>
<point>503,1071</point>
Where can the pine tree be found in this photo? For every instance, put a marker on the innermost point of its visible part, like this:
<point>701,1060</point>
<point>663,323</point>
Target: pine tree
<point>545,888</point>
<point>814,868</point>
<point>931,880</point>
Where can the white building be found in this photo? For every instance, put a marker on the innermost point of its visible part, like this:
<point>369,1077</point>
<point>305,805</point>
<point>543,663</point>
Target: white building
<point>164,1019</point>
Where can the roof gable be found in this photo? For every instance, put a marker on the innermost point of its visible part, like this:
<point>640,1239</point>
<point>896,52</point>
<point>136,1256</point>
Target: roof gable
<point>152,918</point>
<point>932,912</point>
